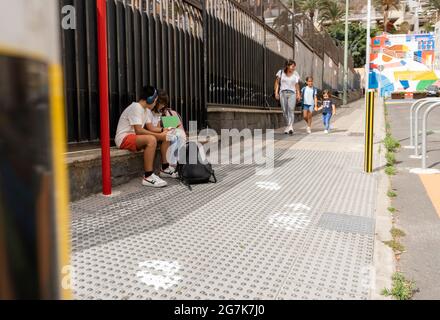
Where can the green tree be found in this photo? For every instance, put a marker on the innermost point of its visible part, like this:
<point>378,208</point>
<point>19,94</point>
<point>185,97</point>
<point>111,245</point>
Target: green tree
<point>308,6</point>
<point>357,40</point>
<point>434,5</point>
<point>332,12</point>
<point>386,6</point>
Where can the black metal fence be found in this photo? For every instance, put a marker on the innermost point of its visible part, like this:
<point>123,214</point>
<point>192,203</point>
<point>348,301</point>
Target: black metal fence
<point>161,42</point>
<point>149,42</point>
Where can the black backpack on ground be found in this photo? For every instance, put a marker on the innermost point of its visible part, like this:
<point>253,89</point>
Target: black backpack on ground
<point>198,171</point>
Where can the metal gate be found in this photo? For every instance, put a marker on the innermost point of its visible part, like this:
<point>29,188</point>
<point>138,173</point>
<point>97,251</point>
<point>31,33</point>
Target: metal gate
<point>229,58</point>
<point>149,43</point>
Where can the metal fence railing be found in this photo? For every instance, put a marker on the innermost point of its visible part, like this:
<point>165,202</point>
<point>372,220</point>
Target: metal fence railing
<point>164,43</point>
<point>149,42</point>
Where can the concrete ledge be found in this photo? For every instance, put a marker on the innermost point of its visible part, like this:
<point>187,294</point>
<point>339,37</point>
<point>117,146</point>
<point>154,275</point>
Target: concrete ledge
<point>85,174</point>
<point>244,110</point>
<point>220,117</point>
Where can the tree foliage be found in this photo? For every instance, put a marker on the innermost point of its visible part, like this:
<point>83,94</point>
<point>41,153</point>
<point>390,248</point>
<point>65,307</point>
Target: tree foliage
<point>386,6</point>
<point>357,40</point>
<point>332,12</point>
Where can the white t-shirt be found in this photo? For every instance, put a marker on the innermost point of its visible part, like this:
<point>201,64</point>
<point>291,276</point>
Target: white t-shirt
<point>134,115</point>
<point>309,98</point>
<point>288,83</point>
<point>155,119</point>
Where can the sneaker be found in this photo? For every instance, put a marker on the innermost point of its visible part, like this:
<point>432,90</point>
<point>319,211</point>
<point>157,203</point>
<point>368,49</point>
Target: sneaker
<point>326,132</point>
<point>154,182</point>
<point>309,130</point>
<point>287,130</point>
<point>170,172</point>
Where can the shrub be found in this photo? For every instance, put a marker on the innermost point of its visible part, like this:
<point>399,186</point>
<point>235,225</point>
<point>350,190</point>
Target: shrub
<point>391,159</point>
<point>391,144</point>
<point>391,194</point>
<point>392,210</point>
<point>402,289</point>
<point>396,246</point>
<point>397,233</point>
<point>391,171</point>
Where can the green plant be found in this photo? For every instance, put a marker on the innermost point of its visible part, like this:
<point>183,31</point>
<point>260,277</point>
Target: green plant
<point>397,233</point>
<point>391,159</point>
<point>332,12</point>
<point>392,209</point>
<point>396,246</point>
<point>386,6</point>
<point>391,171</point>
<point>402,289</point>
<point>391,144</point>
<point>391,194</point>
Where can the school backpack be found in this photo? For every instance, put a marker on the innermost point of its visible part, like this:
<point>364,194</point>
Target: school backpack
<point>303,91</point>
<point>194,169</point>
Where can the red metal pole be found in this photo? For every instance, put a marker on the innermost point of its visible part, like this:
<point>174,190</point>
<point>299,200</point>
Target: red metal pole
<point>103,96</point>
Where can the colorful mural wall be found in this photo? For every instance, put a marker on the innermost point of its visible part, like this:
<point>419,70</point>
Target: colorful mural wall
<point>403,63</point>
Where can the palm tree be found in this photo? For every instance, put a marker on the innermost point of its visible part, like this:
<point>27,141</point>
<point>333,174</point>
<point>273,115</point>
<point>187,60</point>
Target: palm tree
<point>332,12</point>
<point>309,6</point>
<point>434,5</point>
<point>386,6</point>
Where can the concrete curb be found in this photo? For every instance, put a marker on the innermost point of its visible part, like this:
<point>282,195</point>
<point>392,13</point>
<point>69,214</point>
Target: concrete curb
<point>384,261</point>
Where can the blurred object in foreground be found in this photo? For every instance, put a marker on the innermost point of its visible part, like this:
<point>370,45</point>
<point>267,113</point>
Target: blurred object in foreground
<point>33,188</point>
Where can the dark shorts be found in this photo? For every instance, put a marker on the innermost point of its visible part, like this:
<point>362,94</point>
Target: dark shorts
<point>308,107</point>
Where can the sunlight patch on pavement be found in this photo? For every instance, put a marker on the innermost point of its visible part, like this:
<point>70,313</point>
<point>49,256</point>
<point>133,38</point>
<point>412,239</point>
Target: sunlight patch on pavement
<point>159,274</point>
<point>272,186</point>
<point>296,216</point>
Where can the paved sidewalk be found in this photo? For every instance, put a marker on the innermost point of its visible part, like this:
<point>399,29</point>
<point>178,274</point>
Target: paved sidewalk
<point>305,232</point>
<point>418,205</point>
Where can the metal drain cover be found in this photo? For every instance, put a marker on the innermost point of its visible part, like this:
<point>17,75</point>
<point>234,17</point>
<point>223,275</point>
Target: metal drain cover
<point>347,223</point>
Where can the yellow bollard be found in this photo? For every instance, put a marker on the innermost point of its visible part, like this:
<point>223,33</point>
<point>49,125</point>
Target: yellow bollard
<point>34,195</point>
<point>369,132</point>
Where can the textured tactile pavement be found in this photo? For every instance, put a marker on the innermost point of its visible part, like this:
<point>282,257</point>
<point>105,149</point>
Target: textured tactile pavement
<point>304,232</point>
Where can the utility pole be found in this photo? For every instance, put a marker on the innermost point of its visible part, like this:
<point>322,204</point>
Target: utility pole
<point>367,65</point>
<point>344,101</point>
<point>417,22</point>
<point>293,30</point>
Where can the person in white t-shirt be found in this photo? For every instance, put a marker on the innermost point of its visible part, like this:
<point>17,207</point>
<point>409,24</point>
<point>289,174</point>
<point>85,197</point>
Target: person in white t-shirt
<point>131,134</point>
<point>171,144</point>
<point>288,93</point>
<point>309,102</point>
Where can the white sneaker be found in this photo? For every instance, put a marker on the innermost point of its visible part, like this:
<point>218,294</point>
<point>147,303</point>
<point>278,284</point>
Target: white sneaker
<point>309,130</point>
<point>170,172</point>
<point>291,131</point>
<point>326,132</point>
<point>287,130</point>
<point>154,182</point>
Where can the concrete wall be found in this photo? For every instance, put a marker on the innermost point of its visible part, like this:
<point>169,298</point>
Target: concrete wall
<point>85,175</point>
<point>241,118</point>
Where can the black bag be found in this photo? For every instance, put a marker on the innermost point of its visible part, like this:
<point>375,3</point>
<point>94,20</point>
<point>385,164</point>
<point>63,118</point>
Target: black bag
<point>197,172</point>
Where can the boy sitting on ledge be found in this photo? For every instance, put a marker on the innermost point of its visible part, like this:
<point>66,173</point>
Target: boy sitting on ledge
<point>131,135</point>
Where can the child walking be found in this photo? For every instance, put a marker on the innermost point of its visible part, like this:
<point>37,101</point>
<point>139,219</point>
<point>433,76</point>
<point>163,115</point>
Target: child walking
<point>328,109</point>
<point>309,96</point>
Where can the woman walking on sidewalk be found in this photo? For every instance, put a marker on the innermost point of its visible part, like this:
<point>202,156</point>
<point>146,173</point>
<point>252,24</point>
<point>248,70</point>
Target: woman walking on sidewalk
<point>288,93</point>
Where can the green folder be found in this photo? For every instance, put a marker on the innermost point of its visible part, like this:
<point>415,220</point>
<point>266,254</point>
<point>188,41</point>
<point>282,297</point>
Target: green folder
<point>170,122</point>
